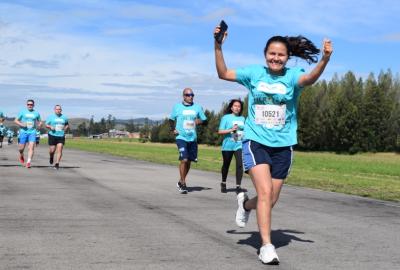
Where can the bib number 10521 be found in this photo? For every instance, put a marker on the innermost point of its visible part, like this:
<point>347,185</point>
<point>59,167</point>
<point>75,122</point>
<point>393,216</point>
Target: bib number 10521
<point>270,115</point>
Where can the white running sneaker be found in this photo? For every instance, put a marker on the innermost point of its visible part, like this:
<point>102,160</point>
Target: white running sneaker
<point>181,188</point>
<point>242,216</point>
<point>268,254</point>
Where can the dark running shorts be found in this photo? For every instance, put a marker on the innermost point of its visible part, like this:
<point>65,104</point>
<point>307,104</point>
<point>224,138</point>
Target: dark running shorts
<point>187,150</point>
<point>54,140</point>
<point>279,158</point>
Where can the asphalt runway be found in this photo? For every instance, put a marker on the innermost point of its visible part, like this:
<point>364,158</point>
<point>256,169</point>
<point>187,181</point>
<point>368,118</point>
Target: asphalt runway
<point>105,212</point>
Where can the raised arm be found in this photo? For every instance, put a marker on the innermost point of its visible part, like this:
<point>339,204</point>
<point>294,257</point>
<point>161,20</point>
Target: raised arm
<point>223,72</point>
<point>312,77</point>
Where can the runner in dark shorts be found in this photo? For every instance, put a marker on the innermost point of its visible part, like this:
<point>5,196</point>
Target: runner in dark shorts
<point>57,124</point>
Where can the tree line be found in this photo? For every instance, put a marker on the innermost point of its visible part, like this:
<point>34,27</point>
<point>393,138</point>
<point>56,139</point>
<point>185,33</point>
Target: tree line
<point>346,114</point>
<point>103,126</point>
<point>91,127</point>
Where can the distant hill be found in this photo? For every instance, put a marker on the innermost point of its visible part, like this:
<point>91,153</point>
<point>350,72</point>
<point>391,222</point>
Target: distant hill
<point>75,122</point>
<point>138,121</point>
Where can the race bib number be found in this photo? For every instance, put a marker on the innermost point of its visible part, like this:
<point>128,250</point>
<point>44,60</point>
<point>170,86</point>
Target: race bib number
<point>29,124</point>
<point>270,115</point>
<point>59,127</point>
<point>189,124</point>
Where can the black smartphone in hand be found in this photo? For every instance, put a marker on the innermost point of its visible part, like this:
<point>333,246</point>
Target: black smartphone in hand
<point>220,36</point>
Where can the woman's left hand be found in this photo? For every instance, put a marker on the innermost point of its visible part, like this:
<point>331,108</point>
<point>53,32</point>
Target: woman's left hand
<point>327,48</point>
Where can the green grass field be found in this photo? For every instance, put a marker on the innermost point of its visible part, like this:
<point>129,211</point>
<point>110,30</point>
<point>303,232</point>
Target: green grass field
<point>369,175</point>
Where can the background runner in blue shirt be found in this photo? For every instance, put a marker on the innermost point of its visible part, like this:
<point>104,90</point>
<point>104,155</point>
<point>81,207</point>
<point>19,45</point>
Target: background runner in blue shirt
<point>10,135</point>
<point>1,116</point>
<point>231,126</point>
<point>2,128</point>
<point>37,137</point>
<point>3,131</point>
<point>57,124</point>
<point>271,126</point>
<point>184,119</point>
<point>28,120</point>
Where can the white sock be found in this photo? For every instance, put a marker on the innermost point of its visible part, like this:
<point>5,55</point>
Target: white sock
<point>29,160</point>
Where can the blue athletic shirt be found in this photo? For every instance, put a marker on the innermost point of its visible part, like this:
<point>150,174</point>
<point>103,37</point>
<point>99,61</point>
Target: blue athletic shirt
<point>58,123</point>
<point>185,116</point>
<point>1,114</point>
<point>29,118</point>
<point>232,142</point>
<point>3,130</point>
<point>10,133</point>
<point>272,105</point>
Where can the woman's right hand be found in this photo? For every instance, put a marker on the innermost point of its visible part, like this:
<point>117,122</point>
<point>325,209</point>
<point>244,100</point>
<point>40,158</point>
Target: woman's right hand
<point>235,128</point>
<point>216,31</point>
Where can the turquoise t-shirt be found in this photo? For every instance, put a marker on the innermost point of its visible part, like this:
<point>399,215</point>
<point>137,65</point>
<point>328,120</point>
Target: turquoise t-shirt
<point>58,122</point>
<point>185,116</point>
<point>1,114</point>
<point>272,105</point>
<point>232,141</point>
<point>10,133</point>
<point>29,118</point>
<point>3,130</point>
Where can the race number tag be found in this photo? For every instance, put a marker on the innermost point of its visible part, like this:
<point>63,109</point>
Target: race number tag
<point>29,124</point>
<point>270,115</point>
<point>188,124</point>
<point>59,127</point>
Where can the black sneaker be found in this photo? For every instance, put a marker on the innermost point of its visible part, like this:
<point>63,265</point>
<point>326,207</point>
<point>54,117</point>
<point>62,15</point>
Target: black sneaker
<point>223,187</point>
<point>51,160</point>
<point>238,189</point>
<point>181,187</point>
<point>56,166</point>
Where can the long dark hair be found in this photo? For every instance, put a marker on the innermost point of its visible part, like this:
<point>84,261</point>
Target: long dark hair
<point>228,109</point>
<point>297,46</point>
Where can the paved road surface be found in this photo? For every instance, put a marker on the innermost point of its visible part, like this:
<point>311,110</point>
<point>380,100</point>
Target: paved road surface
<point>105,212</point>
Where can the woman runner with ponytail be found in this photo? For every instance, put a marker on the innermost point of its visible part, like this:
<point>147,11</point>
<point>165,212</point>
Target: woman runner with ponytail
<point>271,127</point>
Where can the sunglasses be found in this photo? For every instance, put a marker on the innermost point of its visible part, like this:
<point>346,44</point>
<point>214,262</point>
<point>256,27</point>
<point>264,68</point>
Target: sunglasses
<point>189,95</point>
<point>29,104</point>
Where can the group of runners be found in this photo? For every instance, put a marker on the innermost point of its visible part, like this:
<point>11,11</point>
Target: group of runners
<point>262,144</point>
<point>264,141</point>
<point>5,132</point>
<point>29,123</point>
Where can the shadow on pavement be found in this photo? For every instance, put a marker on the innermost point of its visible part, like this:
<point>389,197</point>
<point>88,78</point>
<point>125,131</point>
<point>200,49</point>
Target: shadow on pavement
<point>279,238</point>
<point>192,189</point>
<point>234,190</point>
<point>39,166</point>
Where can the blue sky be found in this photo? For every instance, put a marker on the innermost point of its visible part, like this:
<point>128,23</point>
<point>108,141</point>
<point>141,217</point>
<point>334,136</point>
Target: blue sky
<point>133,58</point>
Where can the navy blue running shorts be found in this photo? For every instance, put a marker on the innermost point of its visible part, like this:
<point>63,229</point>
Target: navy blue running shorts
<point>279,158</point>
<point>187,150</point>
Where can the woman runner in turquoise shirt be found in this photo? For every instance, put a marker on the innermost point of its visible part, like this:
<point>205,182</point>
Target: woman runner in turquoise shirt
<point>271,126</point>
<point>231,126</point>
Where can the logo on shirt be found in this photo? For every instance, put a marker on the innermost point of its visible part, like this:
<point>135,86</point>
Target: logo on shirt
<point>59,120</point>
<point>275,88</point>
<point>188,112</point>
